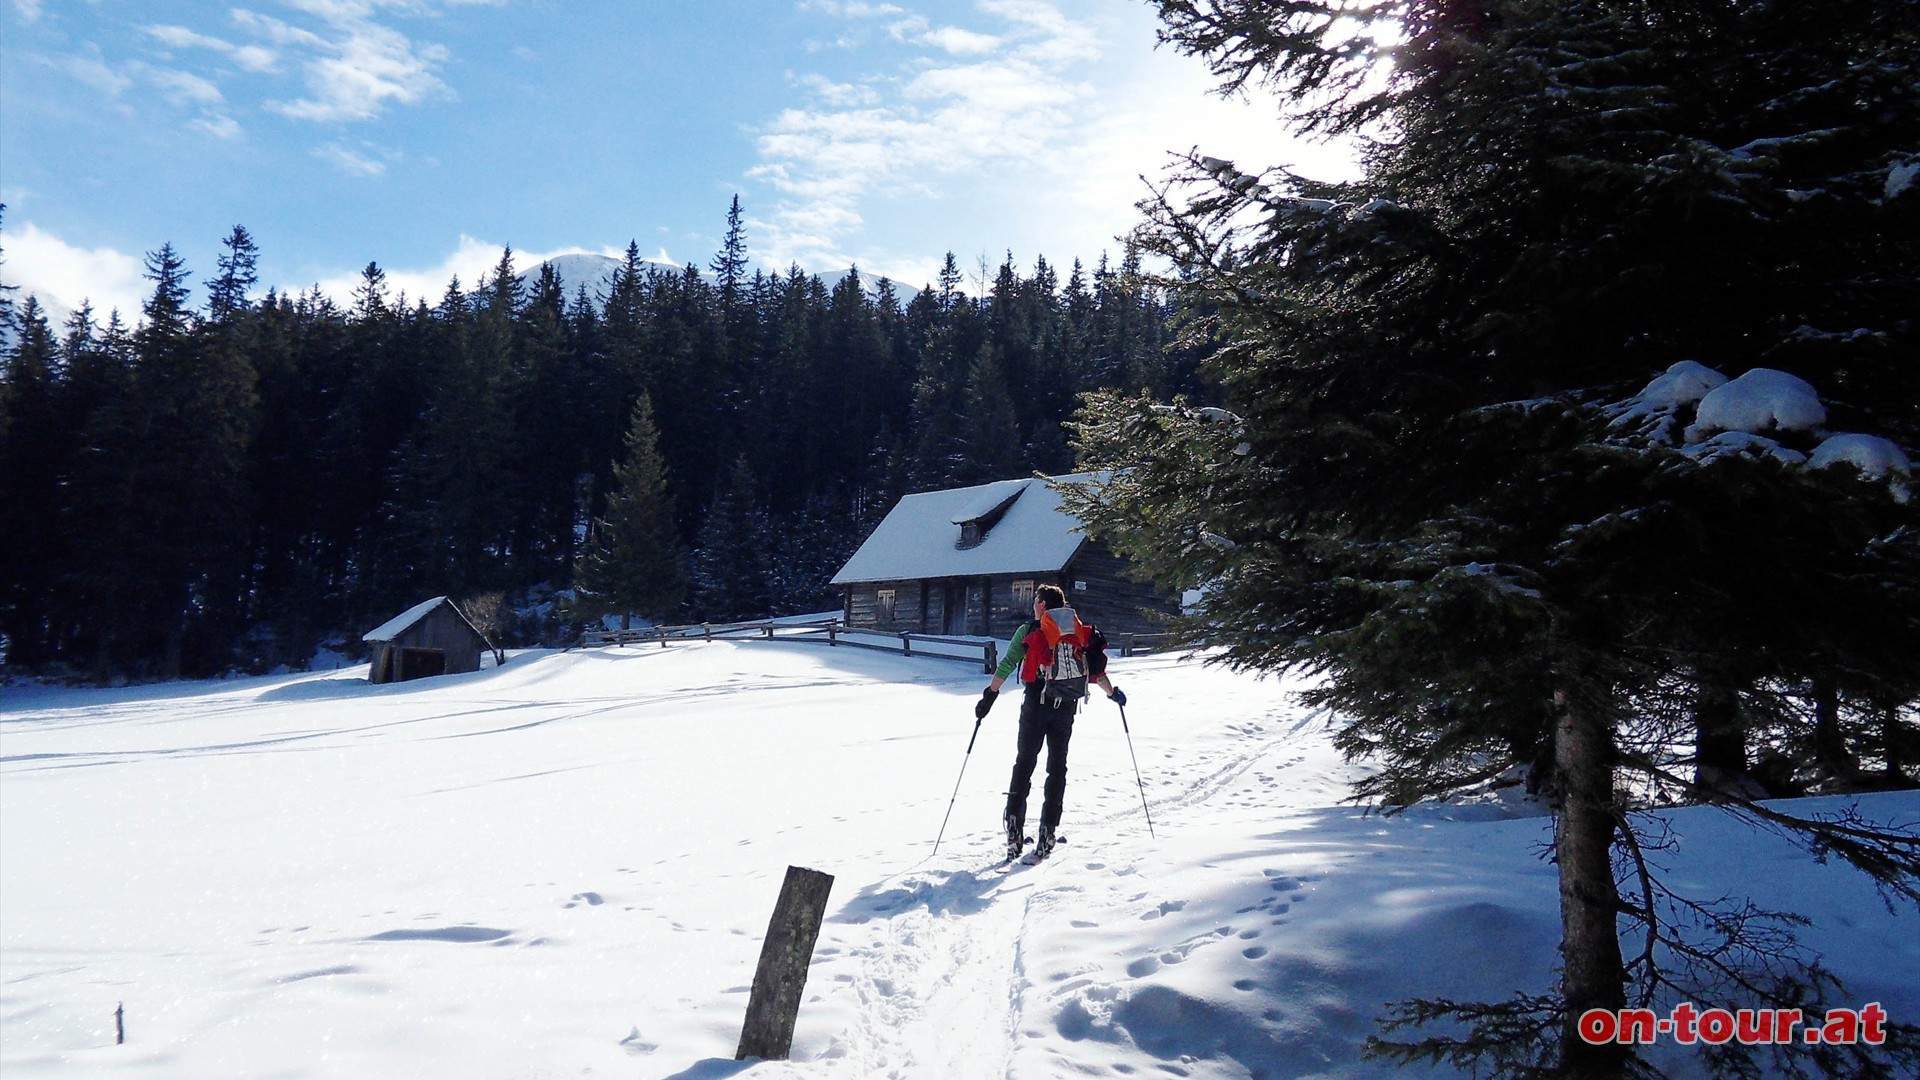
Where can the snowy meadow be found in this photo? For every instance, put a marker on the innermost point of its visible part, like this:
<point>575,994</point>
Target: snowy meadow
<point>564,867</point>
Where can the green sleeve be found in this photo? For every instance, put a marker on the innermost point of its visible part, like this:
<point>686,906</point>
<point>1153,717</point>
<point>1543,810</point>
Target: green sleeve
<point>1016,652</point>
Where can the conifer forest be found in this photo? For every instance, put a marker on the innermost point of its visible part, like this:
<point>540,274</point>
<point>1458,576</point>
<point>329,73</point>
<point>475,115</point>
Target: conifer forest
<point>236,480</point>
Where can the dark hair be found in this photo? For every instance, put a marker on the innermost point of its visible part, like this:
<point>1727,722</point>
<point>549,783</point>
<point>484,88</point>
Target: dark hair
<point>1052,595</point>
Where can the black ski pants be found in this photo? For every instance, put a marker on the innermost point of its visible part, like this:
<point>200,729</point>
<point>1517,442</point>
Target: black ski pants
<point>1053,725</point>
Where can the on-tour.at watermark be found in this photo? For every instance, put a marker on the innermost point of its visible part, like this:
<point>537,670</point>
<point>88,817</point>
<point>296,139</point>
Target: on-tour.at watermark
<point>1688,1024</point>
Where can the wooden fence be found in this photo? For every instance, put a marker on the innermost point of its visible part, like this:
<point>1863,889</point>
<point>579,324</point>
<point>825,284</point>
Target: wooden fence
<point>833,632</point>
<point>1129,644</point>
<point>818,631</point>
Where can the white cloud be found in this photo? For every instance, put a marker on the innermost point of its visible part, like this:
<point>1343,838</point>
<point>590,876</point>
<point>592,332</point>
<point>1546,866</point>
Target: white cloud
<point>220,127</point>
<point>44,265</point>
<point>29,9</point>
<point>964,125</point>
<point>336,11</point>
<point>355,65</point>
<point>97,73</point>
<point>351,162</point>
<point>256,58</point>
<point>276,31</point>
<point>252,58</point>
<point>844,95</point>
<point>915,132</point>
<point>366,68</point>
<point>184,88</point>
<point>961,42</point>
<point>180,37</point>
<point>911,28</point>
<point>850,9</point>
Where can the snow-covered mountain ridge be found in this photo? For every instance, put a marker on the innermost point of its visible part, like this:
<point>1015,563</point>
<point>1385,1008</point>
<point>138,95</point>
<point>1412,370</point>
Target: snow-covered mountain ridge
<point>565,865</point>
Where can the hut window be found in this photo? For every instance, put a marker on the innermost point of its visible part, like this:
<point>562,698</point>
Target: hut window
<point>883,601</point>
<point>1021,598</point>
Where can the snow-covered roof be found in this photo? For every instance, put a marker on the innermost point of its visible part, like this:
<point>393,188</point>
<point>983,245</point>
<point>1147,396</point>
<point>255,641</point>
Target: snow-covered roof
<point>989,498</point>
<point>919,537</point>
<point>400,623</point>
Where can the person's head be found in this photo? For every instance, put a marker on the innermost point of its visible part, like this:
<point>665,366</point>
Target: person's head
<point>1048,597</point>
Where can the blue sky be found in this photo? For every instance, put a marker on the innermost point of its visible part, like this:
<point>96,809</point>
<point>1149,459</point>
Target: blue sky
<point>425,134</point>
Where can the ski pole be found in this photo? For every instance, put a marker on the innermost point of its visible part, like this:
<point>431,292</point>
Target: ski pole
<point>956,785</point>
<point>1136,772</point>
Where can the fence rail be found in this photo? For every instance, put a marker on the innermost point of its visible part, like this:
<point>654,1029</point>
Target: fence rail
<point>819,631</point>
<point>1129,644</point>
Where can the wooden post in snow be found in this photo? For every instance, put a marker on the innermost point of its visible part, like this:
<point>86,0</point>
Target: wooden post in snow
<point>774,1005</point>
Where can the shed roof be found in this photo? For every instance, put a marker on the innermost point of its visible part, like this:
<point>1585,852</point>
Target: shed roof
<point>404,621</point>
<point>920,536</point>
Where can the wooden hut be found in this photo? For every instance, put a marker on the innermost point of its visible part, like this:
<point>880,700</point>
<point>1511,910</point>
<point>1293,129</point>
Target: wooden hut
<point>967,560</point>
<point>431,638</point>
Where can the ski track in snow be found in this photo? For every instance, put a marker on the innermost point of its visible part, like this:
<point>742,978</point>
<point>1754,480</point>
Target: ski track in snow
<point>922,956</point>
<point>149,714</point>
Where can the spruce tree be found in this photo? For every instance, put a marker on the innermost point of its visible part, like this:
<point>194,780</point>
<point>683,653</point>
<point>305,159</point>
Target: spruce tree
<point>633,561</point>
<point>1419,487</point>
<point>729,264</point>
<point>732,574</point>
<point>618,362</point>
<point>949,293</point>
<point>7,290</point>
<point>687,379</point>
<point>159,463</point>
<point>546,452</point>
<point>990,435</point>
<point>184,473</point>
<point>107,479</point>
<point>227,293</point>
<point>34,452</point>
<point>232,350</point>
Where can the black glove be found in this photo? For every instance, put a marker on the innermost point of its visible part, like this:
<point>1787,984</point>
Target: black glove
<point>1119,697</point>
<point>985,703</point>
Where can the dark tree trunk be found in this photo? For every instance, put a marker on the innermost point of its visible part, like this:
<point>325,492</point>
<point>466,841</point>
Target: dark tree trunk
<point>1830,753</point>
<point>1720,742</point>
<point>1898,739</point>
<point>173,650</point>
<point>1543,779</point>
<point>103,658</point>
<point>1593,974</point>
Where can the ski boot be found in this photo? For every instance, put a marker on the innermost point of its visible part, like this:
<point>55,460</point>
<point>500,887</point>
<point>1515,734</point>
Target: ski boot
<point>1016,837</point>
<point>1043,846</point>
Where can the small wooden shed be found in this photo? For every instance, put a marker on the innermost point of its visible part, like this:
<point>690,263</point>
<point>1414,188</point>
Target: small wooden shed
<point>431,638</point>
<point>967,560</point>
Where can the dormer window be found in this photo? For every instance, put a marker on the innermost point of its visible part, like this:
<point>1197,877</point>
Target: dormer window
<point>986,511</point>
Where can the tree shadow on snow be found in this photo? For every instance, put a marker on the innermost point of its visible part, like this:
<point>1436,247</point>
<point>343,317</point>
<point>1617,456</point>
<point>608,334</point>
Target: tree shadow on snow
<point>714,1069</point>
<point>960,892</point>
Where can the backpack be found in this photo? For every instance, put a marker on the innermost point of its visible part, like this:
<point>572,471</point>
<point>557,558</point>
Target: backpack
<point>1063,667</point>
